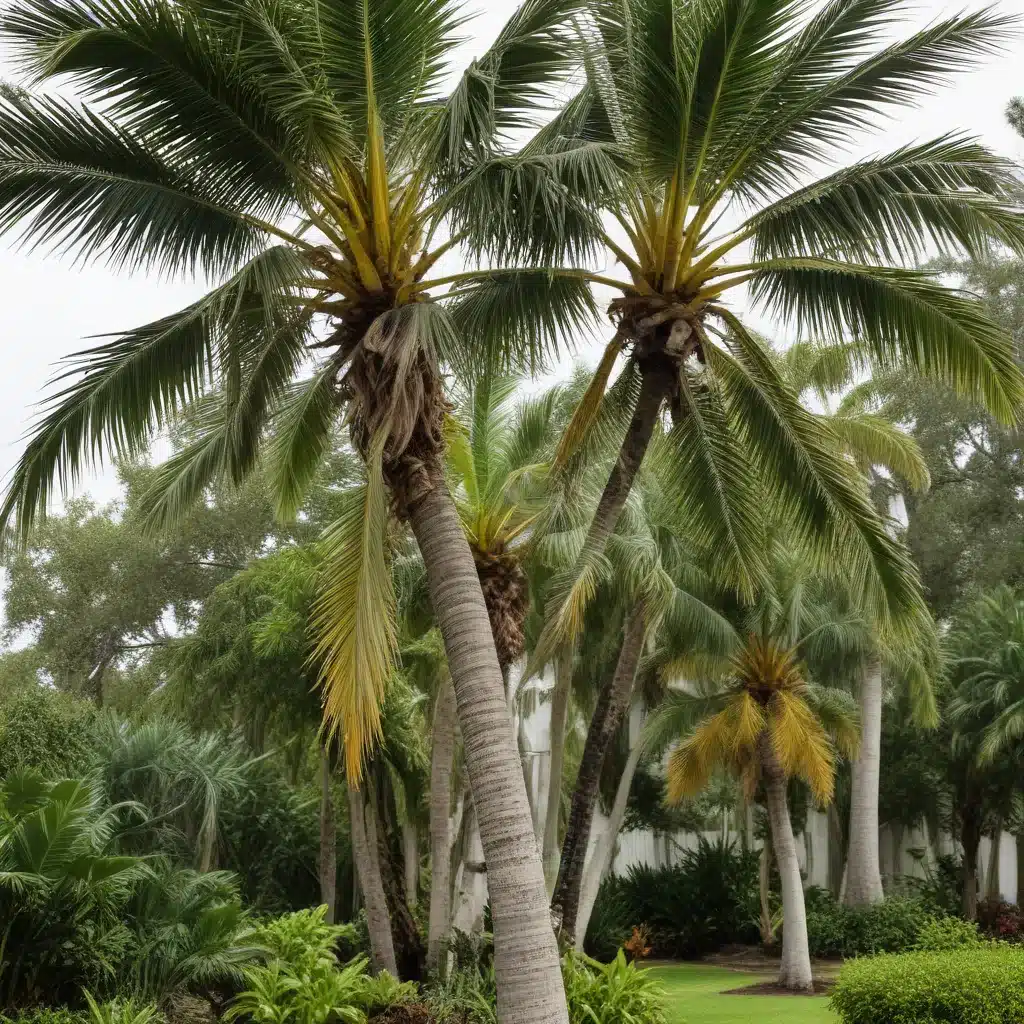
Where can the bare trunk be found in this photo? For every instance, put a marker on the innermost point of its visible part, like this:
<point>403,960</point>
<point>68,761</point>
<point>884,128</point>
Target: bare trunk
<point>442,753</point>
<point>764,878</point>
<point>526,962</point>
<point>411,861</point>
<point>559,713</point>
<point>600,860</point>
<point>471,892</point>
<point>328,840</point>
<point>992,874</point>
<point>612,705</point>
<point>409,952</point>
<point>970,838</point>
<point>836,862</point>
<point>864,877</point>
<point>1020,869</point>
<point>655,386</point>
<point>795,972</point>
<point>367,863</point>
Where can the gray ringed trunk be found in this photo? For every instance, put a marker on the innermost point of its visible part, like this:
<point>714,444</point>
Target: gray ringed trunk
<point>442,753</point>
<point>328,840</point>
<point>367,862</point>
<point>863,872</point>
<point>795,972</point>
<point>527,969</point>
<point>612,705</point>
<point>559,712</point>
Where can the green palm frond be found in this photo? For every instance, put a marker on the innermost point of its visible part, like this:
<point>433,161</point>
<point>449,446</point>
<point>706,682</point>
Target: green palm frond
<point>875,441</point>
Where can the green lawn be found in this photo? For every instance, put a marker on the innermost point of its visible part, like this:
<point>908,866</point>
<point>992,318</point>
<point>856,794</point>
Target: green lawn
<point>693,996</point>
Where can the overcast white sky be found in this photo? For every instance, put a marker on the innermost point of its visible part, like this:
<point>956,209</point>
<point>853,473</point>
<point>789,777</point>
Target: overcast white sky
<point>48,306</point>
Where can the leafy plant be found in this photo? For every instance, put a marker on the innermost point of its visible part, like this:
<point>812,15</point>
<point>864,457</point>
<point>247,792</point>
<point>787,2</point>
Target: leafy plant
<point>614,993</point>
<point>1000,920</point>
<point>982,986</point>
<point>384,991</point>
<point>941,934</point>
<point>890,927</point>
<point>279,992</point>
<point>122,1011</point>
<point>638,945</point>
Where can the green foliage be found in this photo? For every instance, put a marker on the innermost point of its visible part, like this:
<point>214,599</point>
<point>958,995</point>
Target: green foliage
<point>45,1015</point>
<point>464,996</point>
<point>614,993</point>
<point>46,731</point>
<point>1000,920</point>
<point>696,907</point>
<point>980,986</point>
<point>941,887</point>
<point>942,934</point>
<point>122,1011</point>
<point>837,930</point>
<point>383,991</point>
<point>302,981</point>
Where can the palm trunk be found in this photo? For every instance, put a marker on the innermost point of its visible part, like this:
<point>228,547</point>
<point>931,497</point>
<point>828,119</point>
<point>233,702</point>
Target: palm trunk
<point>795,972</point>
<point>1020,869</point>
<point>410,955</point>
<point>559,713</point>
<point>442,753</point>
<point>992,891</point>
<point>328,840</point>
<point>612,705</point>
<point>970,839</point>
<point>864,877</point>
<point>526,962</point>
<point>764,878</point>
<point>604,851</point>
<point>655,386</point>
<point>836,861</point>
<point>411,861</point>
<point>367,863</point>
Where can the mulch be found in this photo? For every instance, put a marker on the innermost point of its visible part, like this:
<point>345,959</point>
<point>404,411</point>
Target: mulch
<point>771,988</point>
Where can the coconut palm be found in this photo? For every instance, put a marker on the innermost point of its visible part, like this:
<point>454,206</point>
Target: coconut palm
<point>306,156</point>
<point>763,718</point>
<point>723,109</point>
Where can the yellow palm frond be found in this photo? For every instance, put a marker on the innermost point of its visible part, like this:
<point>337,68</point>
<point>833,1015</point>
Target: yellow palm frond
<point>801,744</point>
<point>765,667</point>
<point>354,618</point>
<point>748,721</point>
<point>688,771</point>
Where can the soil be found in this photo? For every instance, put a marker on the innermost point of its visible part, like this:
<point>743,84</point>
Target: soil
<point>771,988</point>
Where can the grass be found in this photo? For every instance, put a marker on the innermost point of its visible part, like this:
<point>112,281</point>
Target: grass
<point>693,996</point>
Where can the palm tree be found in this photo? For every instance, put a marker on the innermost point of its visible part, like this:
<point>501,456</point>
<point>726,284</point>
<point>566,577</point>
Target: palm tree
<point>305,156</point>
<point>764,720</point>
<point>860,441</point>
<point>722,111</point>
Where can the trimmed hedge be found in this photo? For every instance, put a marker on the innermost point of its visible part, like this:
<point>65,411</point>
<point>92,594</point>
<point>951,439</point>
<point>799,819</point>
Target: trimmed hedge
<point>971,986</point>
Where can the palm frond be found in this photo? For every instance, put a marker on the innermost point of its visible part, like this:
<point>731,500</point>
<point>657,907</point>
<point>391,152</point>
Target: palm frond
<point>874,441</point>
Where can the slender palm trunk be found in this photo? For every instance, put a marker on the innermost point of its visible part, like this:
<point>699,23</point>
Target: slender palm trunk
<point>526,962</point>
<point>612,705</point>
<point>764,878</point>
<point>367,862</point>
<point>411,861</point>
<point>559,713</point>
<point>795,972</point>
<point>864,876</point>
<point>600,861</point>
<point>442,753</point>
<point>970,839</point>
<point>328,840</point>
<point>1020,868</point>
<point>836,860</point>
<point>992,891</point>
<point>656,382</point>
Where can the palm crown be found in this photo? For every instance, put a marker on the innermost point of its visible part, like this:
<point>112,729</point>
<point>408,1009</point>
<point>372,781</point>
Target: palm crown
<point>305,156</point>
<point>720,112</point>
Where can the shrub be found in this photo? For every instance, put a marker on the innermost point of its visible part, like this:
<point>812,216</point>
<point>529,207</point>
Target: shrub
<point>464,996</point>
<point>707,901</point>
<point>941,934</point>
<point>384,992</point>
<point>1000,920</point>
<point>941,890</point>
<point>46,1015</point>
<point>615,993</point>
<point>969,986</point>
<point>889,927</point>
<point>122,1011</point>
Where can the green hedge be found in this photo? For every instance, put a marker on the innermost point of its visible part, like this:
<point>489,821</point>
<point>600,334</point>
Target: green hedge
<point>971,986</point>
<point>889,927</point>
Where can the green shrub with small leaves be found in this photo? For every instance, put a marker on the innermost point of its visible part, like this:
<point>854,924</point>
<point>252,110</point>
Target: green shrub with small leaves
<point>46,1015</point>
<point>889,927</point>
<point>940,934</point>
<point>965,986</point>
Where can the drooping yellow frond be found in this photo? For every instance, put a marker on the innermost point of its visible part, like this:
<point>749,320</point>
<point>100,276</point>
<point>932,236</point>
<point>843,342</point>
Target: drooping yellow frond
<point>354,618</point>
<point>748,721</point>
<point>801,745</point>
<point>713,738</point>
<point>586,412</point>
<point>687,772</point>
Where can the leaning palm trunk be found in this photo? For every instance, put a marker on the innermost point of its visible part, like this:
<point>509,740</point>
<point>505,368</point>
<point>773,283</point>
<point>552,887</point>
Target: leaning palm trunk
<point>328,840</point>
<point>442,752</point>
<point>367,862</point>
<point>559,713</point>
<point>600,861</point>
<point>526,963</point>
<point>795,972</point>
<point>612,705</point>
<point>864,877</point>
